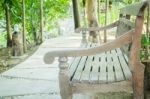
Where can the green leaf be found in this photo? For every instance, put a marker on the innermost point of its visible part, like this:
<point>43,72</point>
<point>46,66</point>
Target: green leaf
<point>144,41</point>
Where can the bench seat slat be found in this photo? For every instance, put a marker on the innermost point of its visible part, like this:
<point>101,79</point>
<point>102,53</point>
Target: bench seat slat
<point>94,75</point>
<point>77,75</point>
<point>111,74</point>
<point>103,73</point>
<point>107,67</point>
<point>126,58</point>
<point>125,67</point>
<point>118,70</point>
<point>85,77</point>
<point>74,64</point>
<point>87,69</point>
<point>73,67</point>
<point>79,70</point>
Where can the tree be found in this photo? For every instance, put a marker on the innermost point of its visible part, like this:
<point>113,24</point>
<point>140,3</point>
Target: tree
<point>41,21</point>
<point>23,26</point>
<point>8,5</point>
<point>92,19</point>
<point>106,15</point>
<point>8,26</point>
<point>55,9</point>
<point>15,9</point>
<point>33,21</point>
<point>76,13</point>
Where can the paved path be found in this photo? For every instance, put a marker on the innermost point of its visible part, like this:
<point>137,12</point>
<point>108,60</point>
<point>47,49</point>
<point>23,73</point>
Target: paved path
<point>33,79</point>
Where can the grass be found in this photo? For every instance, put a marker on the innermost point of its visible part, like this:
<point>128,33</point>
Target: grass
<point>3,40</point>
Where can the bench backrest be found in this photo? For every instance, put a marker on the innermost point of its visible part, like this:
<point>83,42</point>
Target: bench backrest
<point>128,16</point>
<point>127,21</point>
<point>131,17</point>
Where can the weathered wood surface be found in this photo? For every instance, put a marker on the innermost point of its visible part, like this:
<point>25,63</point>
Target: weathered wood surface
<point>97,28</point>
<point>65,91</point>
<point>77,62</point>
<point>138,67</point>
<point>77,96</point>
<point>110,26</point>
<point>124,86</point>
<point>111,66</point>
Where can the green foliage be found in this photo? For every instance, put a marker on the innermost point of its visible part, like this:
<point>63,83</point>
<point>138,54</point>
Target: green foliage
<point>16,14</point>
<point>10,3</point>
<point>32,19</point>
<point>144,53</point>
<point>2,39</point>
<point>112,14</point>
<point>54,9</point>
<point>15,10</point>
<point>144,40</point>
<point>128,1</point>
<point>125,1</point>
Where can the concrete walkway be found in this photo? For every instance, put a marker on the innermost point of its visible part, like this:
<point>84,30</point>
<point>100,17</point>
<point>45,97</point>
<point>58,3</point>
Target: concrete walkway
<point>33,79</point>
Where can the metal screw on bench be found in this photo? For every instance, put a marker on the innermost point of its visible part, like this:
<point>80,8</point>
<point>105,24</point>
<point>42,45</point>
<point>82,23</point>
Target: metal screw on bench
<point>84,40</point>
<point>65,89</point>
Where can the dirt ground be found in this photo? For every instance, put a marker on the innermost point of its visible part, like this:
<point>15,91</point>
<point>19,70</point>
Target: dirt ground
<point>8,61</point>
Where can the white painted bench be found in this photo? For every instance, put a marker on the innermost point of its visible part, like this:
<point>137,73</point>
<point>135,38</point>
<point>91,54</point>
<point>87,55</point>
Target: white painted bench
<point>111,67</point>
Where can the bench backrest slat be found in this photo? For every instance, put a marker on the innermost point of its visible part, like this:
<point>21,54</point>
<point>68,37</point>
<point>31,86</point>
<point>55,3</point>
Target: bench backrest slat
<point>124,25</point>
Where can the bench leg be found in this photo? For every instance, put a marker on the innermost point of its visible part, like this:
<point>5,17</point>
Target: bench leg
<point>93,39</point>
<point>90,38</point>
<point>138,82</point>
<point>64,82</point>
<point>65,89</point>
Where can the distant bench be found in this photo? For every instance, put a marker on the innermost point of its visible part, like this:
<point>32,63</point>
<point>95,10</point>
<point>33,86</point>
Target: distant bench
<point>111,67</point>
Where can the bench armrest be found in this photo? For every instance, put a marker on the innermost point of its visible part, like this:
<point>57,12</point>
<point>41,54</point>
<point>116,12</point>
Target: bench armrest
<point>120,41</point>
<point>112,25</point>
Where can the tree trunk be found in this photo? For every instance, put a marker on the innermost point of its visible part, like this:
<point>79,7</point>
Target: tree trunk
<point>98,10</point>
<point>41,21</point>
<point>17,46</point>
<point>9,35</point>
<point>92,19</point>
<point>76,13</point>
<point>147,74</point>
<point>23,26</point>
<point>106,15</point>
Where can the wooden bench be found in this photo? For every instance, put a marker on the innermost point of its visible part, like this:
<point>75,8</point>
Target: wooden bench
<point>111,67</point>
